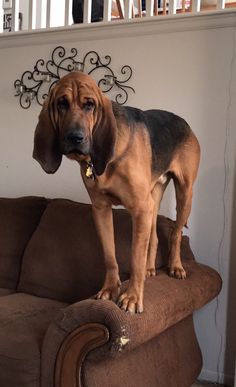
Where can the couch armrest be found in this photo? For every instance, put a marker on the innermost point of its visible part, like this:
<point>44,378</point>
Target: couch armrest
<point>90,323</point>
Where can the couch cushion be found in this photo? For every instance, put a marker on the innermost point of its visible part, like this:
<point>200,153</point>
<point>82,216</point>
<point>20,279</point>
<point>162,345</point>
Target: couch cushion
<point>64,260</point>
<point>23,322</point>
<point>19,218</point>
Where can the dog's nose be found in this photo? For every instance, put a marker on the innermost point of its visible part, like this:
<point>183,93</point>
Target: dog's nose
<point>74,138</point>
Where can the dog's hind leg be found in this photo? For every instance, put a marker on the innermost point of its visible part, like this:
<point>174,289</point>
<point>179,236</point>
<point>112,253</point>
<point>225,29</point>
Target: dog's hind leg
<point>153,243</point>
<point>184,174</point>
<point>157,195</point>
<point>184,201</point>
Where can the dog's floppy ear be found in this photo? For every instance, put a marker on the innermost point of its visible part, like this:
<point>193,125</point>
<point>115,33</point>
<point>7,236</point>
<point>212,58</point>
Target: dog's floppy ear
<point>104,138</point>
<point>46,142</point>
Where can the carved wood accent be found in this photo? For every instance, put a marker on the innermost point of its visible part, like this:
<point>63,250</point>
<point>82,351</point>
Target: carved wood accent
<point>73,351</point>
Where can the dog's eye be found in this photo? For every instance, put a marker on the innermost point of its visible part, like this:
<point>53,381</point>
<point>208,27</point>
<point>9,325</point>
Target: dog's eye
<point>62,104</point>
<point>88,105</point>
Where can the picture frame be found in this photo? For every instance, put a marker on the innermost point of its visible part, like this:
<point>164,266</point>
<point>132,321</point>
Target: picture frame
<point>7,24</point>
<point>6,4</point>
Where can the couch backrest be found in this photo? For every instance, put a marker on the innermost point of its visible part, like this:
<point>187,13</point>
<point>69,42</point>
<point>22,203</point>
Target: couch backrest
<point>18,221</point>
<point>64,260</point>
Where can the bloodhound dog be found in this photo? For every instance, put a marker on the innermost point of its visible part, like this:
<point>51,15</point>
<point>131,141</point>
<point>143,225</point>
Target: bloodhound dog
<point>127,156</point>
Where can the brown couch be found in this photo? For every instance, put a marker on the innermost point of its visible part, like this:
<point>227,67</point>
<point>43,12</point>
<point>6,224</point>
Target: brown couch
<point>52,331</point>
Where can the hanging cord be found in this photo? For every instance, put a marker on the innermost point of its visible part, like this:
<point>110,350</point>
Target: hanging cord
<point>224,196</point>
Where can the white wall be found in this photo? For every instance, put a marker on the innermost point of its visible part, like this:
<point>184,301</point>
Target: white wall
<point>185,68</point>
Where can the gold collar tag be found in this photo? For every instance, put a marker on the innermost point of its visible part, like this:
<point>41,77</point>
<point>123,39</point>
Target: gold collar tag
<point>89,170</point>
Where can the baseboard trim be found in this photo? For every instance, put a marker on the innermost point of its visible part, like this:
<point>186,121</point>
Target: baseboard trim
<point>214,377</point>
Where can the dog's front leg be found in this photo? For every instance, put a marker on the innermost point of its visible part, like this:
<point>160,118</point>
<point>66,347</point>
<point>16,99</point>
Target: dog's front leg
<point>132,299</point>
<point>104,224</point>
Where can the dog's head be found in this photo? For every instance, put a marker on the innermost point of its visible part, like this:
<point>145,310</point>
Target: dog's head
<point>76,120</point>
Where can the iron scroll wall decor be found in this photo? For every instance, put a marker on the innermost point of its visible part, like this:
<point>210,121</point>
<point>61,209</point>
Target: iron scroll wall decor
<point>37,84</point>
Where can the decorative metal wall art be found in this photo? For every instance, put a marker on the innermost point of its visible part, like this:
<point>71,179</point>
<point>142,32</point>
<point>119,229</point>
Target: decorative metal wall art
<point>37,84</point>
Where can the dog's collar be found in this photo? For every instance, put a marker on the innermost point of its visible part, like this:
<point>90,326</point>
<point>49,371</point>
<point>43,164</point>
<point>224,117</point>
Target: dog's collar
<point>89,170</point>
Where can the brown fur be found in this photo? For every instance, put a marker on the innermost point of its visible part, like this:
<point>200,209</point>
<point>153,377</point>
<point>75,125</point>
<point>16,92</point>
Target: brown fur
<point>124,174</point>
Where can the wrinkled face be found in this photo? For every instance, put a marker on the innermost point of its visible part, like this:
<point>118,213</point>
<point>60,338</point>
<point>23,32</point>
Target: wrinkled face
<point>76,120</point>
<point>76,104</point>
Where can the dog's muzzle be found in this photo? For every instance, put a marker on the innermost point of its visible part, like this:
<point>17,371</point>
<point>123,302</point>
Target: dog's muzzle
<point>75,142</point>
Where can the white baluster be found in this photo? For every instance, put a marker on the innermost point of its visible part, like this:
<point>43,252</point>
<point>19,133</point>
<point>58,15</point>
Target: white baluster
<point>32,14</point>
<point>15,15</point>
<point>107,10</point>
<point>128,9</point>
<point>87,11</point>
<point>68,12</point>
<point>196,7</point>
<point>48,14</point>
<point>149,7</point>
<point>172,7</point>
<point>120,8</point>
<point>1,16</point>
<point>220,4</point>
<point>43,14</point>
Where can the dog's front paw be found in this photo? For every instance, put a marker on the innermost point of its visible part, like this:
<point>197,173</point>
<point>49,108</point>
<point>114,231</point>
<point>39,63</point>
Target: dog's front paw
<point>177,272</point>
<point>110,292</point>
<point>131,301</point>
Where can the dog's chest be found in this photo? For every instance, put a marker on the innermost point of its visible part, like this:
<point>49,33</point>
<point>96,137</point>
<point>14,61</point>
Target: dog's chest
<point>102,188</point>
<point>112,198</point>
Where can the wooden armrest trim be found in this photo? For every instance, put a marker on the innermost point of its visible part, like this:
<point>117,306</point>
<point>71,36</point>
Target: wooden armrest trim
<point>73,351</point>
